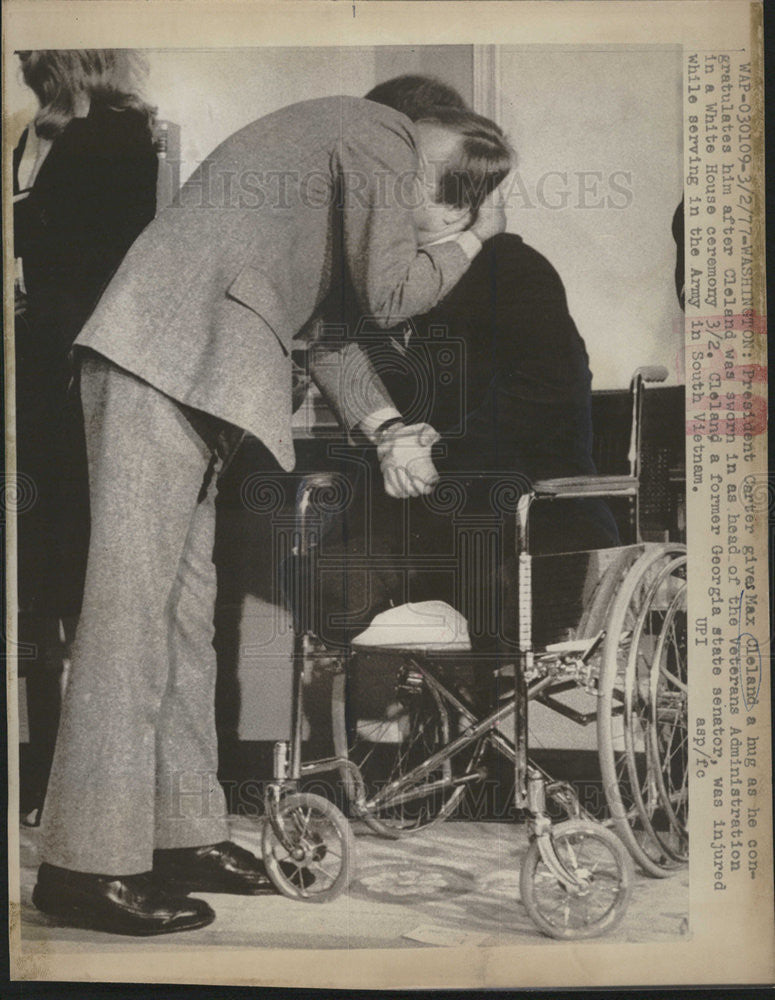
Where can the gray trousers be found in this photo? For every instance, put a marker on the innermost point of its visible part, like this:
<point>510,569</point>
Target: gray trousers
<point>136,757</point>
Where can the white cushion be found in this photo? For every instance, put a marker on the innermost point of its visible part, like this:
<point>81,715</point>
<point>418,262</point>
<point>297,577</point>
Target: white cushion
<point>426,625</point>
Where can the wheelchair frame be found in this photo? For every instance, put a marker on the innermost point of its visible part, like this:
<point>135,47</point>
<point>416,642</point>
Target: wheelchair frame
<point>628,608</point>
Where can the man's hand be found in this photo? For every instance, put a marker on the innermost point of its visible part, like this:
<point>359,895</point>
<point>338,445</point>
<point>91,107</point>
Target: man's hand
<point>491,217</point>
<point>405,459</point>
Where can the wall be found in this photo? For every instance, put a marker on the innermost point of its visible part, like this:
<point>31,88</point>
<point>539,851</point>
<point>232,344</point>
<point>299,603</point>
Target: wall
<point>18,103</point>
<point>212,93</point>
<point>613,114</point>
<point>452,63</point>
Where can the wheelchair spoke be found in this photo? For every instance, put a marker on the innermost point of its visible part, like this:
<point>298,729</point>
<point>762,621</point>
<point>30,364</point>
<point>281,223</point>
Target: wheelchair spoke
<point>412,721</point>
<point>301,819</point>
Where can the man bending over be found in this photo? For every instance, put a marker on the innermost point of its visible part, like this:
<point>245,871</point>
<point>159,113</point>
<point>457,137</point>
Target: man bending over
<point>187,350</point>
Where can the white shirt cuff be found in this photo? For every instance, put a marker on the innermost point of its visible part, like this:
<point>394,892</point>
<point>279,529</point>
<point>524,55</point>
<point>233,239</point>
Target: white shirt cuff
<point>469,243</point>
<point>370,423</point>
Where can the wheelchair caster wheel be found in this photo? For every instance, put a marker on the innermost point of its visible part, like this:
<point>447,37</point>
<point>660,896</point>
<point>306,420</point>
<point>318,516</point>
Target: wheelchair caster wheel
<point>599,861</point>
<point>308,849</point>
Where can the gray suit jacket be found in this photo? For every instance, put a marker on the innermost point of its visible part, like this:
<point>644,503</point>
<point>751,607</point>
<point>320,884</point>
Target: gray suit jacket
<point>207,302</point>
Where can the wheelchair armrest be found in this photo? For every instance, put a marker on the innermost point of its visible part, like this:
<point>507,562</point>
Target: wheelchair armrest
<point>576,486</point>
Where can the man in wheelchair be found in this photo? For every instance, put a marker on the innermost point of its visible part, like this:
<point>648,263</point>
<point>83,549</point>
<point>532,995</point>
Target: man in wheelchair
<point>500,371</point>
<point>434,701</point>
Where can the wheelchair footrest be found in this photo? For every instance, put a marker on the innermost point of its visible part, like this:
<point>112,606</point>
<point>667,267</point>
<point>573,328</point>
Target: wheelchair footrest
<point>569,648</point>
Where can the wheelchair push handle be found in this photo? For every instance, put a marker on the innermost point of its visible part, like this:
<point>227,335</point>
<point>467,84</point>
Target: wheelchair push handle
<point>647,373</point>
<point>314,481</point>
<point>308,486</point>
<point>650,373</point>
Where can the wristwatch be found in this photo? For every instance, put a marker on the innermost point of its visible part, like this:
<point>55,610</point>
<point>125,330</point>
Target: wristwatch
<point>385,425</point>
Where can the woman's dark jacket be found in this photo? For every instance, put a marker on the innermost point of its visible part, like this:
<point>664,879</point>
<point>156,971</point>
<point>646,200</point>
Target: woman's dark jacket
<point>94,193</point>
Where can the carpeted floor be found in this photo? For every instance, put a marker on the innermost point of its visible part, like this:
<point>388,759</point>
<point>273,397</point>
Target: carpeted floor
<point>454,884</point>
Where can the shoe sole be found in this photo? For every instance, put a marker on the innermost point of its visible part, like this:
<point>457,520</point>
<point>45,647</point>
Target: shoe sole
<point>78,916</point>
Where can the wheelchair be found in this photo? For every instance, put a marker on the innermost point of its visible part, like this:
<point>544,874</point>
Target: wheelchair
<point>615,632</point>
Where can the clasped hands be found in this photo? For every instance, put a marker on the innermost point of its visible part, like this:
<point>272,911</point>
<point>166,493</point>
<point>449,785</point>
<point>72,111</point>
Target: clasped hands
<point>405,459</point>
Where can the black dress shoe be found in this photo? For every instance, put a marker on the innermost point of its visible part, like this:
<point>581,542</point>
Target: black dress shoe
<point>223,867</point>
<point>129,904</point>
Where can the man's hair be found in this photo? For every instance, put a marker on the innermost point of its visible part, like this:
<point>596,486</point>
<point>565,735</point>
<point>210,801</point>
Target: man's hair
<point>482,160</point>
<point>414,95</point>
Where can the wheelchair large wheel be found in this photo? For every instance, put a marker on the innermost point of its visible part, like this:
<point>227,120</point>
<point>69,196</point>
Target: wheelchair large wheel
<point>313,859</point>
<point>631,779</point>
<point>596,857</point>
<point>655,715</point>
<point>668,723</point>
<point>388,738</point>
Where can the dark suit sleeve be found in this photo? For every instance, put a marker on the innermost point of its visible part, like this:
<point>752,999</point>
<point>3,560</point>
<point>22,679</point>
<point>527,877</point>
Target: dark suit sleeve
<point>526,378</point>
<point>538,350</point>
<point>392,278</point>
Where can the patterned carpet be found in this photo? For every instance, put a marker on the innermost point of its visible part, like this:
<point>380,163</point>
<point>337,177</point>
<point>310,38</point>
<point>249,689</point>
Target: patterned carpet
<point>454,884</point>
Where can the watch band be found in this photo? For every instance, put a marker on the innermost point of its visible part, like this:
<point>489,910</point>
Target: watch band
<point>386,424</point>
